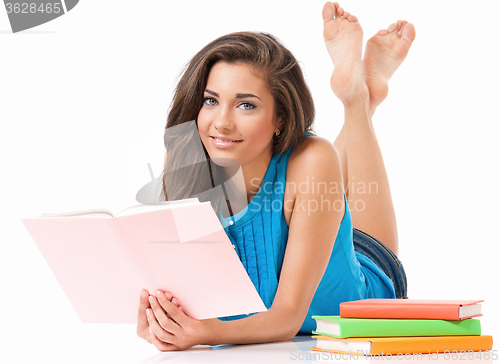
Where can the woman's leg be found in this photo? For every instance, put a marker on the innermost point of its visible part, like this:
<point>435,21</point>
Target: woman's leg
<point>362,86</point>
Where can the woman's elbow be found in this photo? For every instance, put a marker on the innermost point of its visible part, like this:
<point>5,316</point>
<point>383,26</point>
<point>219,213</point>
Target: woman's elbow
<point>292,327</point>
<point>289,318</point>
<point>292,330</point>
<point>291,333</point>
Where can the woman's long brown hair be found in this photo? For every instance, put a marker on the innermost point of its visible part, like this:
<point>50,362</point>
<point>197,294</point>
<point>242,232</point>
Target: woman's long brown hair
<point>187,174</point>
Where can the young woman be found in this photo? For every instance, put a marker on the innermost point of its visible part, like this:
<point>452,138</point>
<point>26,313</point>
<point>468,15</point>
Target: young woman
<point>304,250</point>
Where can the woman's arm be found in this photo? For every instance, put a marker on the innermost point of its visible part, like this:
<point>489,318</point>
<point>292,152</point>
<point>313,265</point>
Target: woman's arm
<point>314,223</point>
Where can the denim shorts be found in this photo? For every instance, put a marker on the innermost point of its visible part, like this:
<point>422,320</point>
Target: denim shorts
<point>384,258</point>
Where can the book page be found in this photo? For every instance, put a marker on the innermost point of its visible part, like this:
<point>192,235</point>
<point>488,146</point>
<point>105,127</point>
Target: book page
<point>137,209</point>
<point>89,265</point>
<point>81,213</point>
<point>470,310</point>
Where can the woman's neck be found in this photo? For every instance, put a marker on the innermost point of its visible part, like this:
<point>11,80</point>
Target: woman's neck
<point>245,184</point>
<point>253,174</point>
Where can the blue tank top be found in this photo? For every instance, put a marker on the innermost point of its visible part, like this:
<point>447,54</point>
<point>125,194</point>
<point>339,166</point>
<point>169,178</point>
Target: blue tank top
<point>259,234</point>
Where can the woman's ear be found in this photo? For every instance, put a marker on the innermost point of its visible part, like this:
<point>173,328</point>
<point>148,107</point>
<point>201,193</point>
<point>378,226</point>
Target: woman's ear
<point>279,123</point>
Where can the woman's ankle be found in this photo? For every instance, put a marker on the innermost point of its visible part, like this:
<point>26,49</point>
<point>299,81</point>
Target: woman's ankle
<point>361,102</point>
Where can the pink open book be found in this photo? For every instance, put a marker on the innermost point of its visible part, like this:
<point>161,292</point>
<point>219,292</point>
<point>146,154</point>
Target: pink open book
<point>102,262</point>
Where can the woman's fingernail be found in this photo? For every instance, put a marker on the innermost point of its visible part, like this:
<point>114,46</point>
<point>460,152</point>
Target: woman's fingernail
<point>148,311</point>
<point>159,293</point>
<point>174,301</point>
<point>151,299</point>
<point>144,294</point>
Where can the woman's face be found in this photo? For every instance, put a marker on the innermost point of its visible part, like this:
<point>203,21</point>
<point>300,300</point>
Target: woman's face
<point>237,119</point>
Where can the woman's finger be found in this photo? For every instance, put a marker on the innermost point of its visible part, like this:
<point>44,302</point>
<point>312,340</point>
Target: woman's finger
<point>160,345</point>
<point>142,321</point>
<point>173,311</point>
<point>161,318</point>
<point>156,329</point>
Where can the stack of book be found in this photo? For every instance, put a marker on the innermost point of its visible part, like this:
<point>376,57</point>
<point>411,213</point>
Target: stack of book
<point>402,326</point>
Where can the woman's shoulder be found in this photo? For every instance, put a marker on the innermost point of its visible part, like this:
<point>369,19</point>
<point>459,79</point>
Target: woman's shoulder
<point>313,152</point>
<point>314,162</point>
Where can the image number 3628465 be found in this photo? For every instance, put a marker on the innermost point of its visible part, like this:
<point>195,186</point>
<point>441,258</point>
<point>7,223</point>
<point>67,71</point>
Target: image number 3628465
<point>26,15</point>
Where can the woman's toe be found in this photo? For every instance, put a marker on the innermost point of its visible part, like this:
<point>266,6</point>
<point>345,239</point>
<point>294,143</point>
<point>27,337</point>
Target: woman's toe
<point>408,32</point>
<point>392,28</point>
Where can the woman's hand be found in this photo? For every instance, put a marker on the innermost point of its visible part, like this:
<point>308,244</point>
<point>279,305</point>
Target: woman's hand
<point>169,327</point>
<point>143,330</point>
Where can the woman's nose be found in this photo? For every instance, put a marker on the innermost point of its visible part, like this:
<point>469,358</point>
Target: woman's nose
<point>224,120</point>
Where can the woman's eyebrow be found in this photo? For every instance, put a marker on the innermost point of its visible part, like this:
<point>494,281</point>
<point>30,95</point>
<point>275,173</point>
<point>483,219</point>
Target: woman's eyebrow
<point>211,93</point>
<point>242,96</point>
<point>238,96</point>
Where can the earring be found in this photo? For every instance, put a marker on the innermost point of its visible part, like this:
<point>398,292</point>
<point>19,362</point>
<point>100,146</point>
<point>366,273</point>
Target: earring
<point>278,132</point>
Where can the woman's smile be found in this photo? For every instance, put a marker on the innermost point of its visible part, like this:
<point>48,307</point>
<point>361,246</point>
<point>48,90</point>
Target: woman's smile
<point>221,142</point>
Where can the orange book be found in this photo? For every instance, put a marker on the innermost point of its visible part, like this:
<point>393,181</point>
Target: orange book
<point>403,345</point>
<point>411,309</point>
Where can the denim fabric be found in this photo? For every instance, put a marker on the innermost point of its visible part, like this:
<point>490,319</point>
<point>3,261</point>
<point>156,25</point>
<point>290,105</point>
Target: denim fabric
<point>384,258</point>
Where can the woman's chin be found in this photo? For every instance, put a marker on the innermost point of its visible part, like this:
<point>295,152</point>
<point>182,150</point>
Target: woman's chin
<point>225,162</point>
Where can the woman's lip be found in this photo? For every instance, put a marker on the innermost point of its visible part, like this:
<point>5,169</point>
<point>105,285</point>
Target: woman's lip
<point>225,139</point>
<point>223,143</point>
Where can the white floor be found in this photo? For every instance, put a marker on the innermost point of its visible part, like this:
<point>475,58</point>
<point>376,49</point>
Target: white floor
<point>106,344</point>
<point>294,351</point>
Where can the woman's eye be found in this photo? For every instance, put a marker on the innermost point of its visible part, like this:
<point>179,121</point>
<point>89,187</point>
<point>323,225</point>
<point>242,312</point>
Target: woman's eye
<point>247,106</point>
<point>210,101</point>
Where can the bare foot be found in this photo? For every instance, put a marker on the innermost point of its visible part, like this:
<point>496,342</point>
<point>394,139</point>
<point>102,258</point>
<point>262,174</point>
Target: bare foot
<point>384,52</point>
<point>344,40</point>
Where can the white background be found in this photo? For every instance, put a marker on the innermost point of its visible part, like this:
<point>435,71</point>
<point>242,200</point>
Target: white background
<point>80,96</point>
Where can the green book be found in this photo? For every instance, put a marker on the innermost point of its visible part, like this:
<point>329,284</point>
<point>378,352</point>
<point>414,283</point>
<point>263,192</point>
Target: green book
<point>351,327</point>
